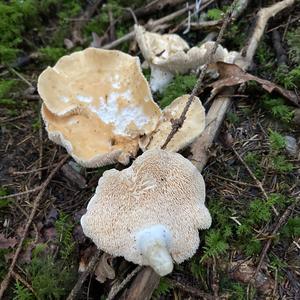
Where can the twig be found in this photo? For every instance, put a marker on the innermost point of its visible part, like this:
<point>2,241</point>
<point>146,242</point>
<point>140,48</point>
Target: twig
<point>21,193</point>
<point>84,275</point>
<point>177,124</point>
<point>215,116</point>
<point>20,76</point>
<point>24,282</point>
<point>190,290</point>
<point>82,20</point>
<point>152,24</point>
<point>116,289</point>
<point>6,280</point>
<point>280,222</point>
<point>263,17</point>
<point>41,148</point>
<point>258,183</point>
<point>32,171</point>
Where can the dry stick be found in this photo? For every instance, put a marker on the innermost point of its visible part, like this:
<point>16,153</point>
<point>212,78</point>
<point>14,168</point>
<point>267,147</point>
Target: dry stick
<point>280,222</point>
<point>24,282</point>
<point>116,289</point>
<point>21,193</point>
<point>84,275</point>
<point>199,149</point>
<point>151,25</point>
<point>258,183</point>
<point>263,17</point>
<point>6,280</point>
<point>177,123</point>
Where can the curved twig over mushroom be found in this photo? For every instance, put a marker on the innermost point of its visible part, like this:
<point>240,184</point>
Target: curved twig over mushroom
<point>97,104</point>
<point>149,213</point>
<point>169,54</point>
<point>192,127</point>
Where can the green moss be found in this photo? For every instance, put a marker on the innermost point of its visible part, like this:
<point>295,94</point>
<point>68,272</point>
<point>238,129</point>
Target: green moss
<point>215,14</point>
<point>253,160</point>
<point>52,277</point>
<point>163,288</point>
<point>288,79</point>
<point>5,87</point>
<point>277,141</point>
<point>13,17</point>
<point>281,165</point>
<point>232,117</point>
<point>277,108</point>
<point>22,293</point>
<point>293,40</point>
<point>181,84</point>
<point>50,55</point>
<point>215,244</point>
<point>64,228</point>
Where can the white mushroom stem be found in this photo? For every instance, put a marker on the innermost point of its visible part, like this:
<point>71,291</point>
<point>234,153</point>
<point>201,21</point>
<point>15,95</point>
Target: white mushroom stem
<point>153,243</point>
<point>160,78</point>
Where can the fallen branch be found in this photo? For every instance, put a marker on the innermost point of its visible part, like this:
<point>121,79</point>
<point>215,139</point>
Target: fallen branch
<point>263,17</point>
<point>280,222</point>
<point>83,19</point>
<point>91,266</point>
<point>151,25</point>
<point>6,280</point>
<point>214,118</point>
<point>116,289</point>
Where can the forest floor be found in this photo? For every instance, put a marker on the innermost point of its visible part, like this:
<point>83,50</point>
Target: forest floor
<point>251,250</point>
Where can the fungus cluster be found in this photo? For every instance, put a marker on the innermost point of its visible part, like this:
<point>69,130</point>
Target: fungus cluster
<point>98,105</point>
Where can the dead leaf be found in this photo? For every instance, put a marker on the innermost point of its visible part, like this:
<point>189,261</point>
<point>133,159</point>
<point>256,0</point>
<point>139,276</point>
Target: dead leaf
<point>6,243</point>
<point>243,271</point>
<point>104,269</point>
<point>231,75</point>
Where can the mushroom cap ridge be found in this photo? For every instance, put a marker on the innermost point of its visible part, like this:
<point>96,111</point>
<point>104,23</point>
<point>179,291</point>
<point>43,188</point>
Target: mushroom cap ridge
<point>96,104</point>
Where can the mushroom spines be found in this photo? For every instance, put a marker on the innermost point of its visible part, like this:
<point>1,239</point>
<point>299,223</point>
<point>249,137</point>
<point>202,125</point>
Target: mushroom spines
<point>158,200</point>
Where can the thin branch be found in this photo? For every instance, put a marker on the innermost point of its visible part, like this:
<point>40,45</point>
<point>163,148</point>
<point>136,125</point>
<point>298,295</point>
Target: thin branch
<point>258,183</point>
<point>116,289</point>
<point>177,124</point>
<point>263,17</point>
<point>84,275</point>
<point>6,280</point>
<point>280,222</point>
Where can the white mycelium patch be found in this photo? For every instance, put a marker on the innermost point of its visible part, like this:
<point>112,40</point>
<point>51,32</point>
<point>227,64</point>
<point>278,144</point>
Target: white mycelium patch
<point>64,99</point>
<point>109,112</point>
<point>85,99</point>
<point>116,84</point>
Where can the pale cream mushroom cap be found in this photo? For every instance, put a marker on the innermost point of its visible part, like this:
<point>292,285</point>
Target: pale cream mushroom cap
<point>96,103</point>
<point>182,62</point>
<point>192,127</point>
<point>157,47</point>
<point>160,189</point>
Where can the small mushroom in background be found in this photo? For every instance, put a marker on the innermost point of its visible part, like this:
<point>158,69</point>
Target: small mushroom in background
<point>169,54</point>
<point>149,213</point>
<point>192,127</point>
<point>96,104</point>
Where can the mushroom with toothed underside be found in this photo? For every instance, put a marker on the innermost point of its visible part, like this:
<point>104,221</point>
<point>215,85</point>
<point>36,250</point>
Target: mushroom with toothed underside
<point>149,213</point>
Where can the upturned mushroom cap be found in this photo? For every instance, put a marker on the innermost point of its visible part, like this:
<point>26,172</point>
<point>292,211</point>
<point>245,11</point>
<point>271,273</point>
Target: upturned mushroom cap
<point>157,49</point>
<point>169,54</point>
<point>149,213</point>
<point>192,127</point>
<point>96,103</point>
